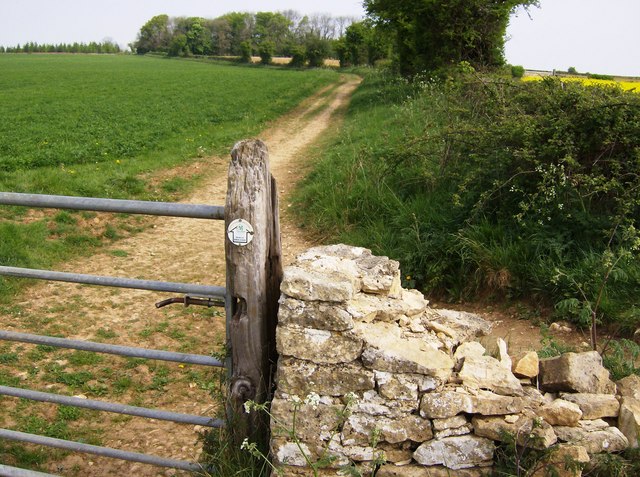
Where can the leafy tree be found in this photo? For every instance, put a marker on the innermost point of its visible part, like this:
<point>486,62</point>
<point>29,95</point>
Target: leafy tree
<point>179,46</point>
<point>154,35</point>
<point>198,38</point>
<point>318,49</point>
<point>241,29</point>
<point>274,28</point>
<point>431,34</point>
<point>266,50</point>
<point>298,56</point>
<point>246,52</point>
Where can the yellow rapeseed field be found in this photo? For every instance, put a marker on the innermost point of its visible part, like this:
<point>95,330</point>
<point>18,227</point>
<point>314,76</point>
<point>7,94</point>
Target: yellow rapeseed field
<point>627,85</point>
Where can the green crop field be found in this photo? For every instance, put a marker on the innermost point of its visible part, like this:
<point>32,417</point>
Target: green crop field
<point>88,125</point>
<point>101,125</point>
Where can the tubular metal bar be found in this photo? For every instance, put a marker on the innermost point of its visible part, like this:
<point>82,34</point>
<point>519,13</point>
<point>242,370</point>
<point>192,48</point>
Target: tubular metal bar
<point>97,450</point>
<point>110,407</point>
<point>169,209</point>
<point>171,287</point>
<point>6,471</point>
<point>112,349</point>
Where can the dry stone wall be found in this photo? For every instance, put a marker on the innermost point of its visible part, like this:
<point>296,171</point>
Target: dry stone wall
<point>368,373</point>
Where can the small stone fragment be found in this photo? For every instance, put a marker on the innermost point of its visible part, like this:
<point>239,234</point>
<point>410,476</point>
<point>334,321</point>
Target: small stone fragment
<point>528,366</point>
<point>561,413</point>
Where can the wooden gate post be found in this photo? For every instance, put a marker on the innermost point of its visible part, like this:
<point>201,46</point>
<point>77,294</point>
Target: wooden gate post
<point>254,273</point>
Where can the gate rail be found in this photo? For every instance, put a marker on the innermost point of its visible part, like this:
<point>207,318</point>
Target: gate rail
<point>250,299</point>
<point>119,206</point>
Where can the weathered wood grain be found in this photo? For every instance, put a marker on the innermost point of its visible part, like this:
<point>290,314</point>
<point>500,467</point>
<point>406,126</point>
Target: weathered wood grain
<point>254,273</point>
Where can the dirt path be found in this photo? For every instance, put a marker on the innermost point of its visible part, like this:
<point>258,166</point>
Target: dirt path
<point>171,249</point>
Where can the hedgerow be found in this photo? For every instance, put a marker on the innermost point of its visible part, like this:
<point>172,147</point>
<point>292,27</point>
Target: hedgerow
<point>481,186</point>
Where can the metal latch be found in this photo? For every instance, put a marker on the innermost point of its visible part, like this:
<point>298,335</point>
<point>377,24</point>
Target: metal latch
<point>187,300</point>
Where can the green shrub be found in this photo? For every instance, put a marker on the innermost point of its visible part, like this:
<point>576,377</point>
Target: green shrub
<point>517,71</point>
<point>246,50</point>
<point>298,57</point>
<point>600,77</point>
<point>266,51</point>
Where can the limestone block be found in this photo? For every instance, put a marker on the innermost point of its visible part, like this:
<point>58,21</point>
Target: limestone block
<point>485,372</point>
<point>629,420</point>
<point>470,349</point>
<point>375,405</point>
<point>290,454</point>
<point>527,430</point>
<point>467,326</point>
<point>576,372</point>
<point>561,413</point>
<point>363,307</point>
<point>290,471</point>
<point>629,387</point>
<point>527,366</point>
<point>404,387</point>
<point>446,404</point>
<point>376,274</point>
<point>311,285</point>
<point>564,460</point>
<point>594,406</point>
<point>609,439</point>
<point>400,454</point>
<point>319,346</point>
<point>314,423</point>
<point>458,431</point>
<point>359,429</point>
<point>314,314</point>
<point>386,349</point>
<point>380,275</point>
<point>433,471</point>
<point>458,452</point>
<point>449,423</point>
<point>534,399</point>
<point>302,377</point>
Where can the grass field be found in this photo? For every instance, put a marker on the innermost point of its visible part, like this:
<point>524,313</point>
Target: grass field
<point>101,125</point>
<point>87,125</point>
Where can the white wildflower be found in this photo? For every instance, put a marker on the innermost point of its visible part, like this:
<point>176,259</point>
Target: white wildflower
<point>313,399</point>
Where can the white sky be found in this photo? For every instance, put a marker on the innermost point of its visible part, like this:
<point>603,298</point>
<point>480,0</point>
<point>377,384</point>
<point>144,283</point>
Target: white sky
<point>597,36</point>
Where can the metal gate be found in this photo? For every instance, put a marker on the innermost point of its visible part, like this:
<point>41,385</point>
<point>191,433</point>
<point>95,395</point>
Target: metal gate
<point>242,207</point>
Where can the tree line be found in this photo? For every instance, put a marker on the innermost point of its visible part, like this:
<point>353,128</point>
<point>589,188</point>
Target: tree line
<point>303,38</point>
<point>107,46</point>
<point>415,35</point>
